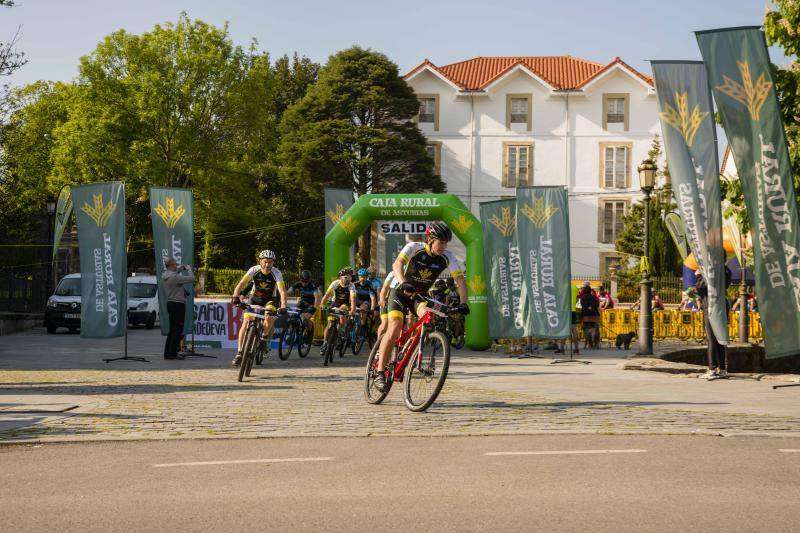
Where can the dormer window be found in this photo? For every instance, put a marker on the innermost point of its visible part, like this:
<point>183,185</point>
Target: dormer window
<point>518,110</point>
<point>616,111</point>
<point>429,110</point>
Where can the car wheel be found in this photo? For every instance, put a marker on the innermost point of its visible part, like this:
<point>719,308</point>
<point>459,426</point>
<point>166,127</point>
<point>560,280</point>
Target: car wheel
<point>73,330</point>
<point>51,329</point>
<point>151,321</point>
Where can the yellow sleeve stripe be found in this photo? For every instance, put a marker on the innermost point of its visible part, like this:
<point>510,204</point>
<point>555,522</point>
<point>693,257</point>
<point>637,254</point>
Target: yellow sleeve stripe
<point>457,273</point>
<point>402,256</point>
<point>280,284</point>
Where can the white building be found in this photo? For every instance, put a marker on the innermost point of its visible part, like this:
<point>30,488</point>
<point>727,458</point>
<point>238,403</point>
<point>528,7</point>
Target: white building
<point>495,123</point>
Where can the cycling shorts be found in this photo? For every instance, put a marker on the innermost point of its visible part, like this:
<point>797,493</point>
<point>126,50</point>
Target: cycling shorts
<point>399,305</point>
<point>343,307</point>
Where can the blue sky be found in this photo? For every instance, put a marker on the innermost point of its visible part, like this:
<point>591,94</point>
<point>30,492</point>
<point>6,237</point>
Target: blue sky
<point>55,33</point>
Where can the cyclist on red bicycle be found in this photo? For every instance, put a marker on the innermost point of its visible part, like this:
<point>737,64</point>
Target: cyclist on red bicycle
<point>417,266</point>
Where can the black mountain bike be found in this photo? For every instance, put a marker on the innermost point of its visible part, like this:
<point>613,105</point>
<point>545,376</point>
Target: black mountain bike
<point>253,350</point>
<point>336,339</point>
<point>360,331</point>
<point>295,333</point>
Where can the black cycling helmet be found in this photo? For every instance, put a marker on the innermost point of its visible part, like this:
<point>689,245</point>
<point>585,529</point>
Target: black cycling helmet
<point>346,271</point>
<point>439,284</point>
<point>439,230</point>
<point>305,275</point>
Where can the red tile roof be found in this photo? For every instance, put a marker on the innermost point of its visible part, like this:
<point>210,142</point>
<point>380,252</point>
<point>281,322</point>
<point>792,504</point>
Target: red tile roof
<point>562,72</point>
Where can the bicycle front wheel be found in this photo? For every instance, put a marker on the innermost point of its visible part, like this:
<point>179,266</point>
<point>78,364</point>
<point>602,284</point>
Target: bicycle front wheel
<point>250,339</point>
<point>287,342</point>
<point>426,373</point>
<point>304,339</point>
<point>330,345</point>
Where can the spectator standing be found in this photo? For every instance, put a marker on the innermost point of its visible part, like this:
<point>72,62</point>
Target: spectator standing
<point>606,301</point>
<point>717,355</point>
<point>590,316</point>
<point>174,279</point>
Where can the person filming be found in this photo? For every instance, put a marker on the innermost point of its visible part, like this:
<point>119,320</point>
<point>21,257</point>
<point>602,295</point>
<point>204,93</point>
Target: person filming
<point>174,279</point>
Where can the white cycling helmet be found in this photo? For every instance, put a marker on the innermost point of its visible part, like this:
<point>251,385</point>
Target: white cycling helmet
<point>266,254</point>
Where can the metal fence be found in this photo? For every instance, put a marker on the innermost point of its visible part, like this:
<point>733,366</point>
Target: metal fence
<point>23,291</point>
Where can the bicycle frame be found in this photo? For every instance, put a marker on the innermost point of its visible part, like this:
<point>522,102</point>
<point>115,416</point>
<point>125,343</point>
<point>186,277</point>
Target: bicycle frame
<point>414,333</point>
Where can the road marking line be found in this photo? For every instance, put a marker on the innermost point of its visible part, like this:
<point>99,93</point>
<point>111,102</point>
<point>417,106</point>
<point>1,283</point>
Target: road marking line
<point>565,452</point>
<point>247,461</point>
<point>789,451</point>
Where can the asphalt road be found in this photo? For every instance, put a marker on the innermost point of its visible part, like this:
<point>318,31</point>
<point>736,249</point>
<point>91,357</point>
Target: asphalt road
<point>615,483</point>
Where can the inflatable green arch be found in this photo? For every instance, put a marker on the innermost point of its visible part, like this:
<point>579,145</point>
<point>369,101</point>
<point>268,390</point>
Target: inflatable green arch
<point>445,207</point>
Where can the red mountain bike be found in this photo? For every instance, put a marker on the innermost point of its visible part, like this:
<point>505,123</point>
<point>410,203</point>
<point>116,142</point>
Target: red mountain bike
<point>421,359</point>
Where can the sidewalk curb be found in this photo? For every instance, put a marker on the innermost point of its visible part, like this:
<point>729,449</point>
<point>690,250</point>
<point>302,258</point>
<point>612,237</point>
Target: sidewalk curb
<point>652,364</point>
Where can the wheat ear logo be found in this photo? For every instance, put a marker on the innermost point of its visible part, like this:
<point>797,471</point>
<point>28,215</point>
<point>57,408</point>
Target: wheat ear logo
<point>169,214</point>
<point>462,224</point>
<point>348,224</point>
<point>680,119</point>
<point>336,215</point>
<point>539,213</point>
<point>476,284</point>
<point>425,273</point>
<point>752,96</point>
<point>98,212</point>
<point>506,224</point>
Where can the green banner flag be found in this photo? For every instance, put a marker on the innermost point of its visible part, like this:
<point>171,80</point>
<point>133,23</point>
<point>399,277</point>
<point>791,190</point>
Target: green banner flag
<point>690,142</point>
<point>503,269</point>
<point>543,237</point>
<point>63,211</point>
<point>739,73</point>
<point>394,243</point>
<point>172,215</point>
<point>677,232</point>
<point>100,214</point>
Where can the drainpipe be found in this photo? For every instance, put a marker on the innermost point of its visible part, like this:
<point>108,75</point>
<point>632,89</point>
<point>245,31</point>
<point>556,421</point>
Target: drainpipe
<point>566,143</point>
<point>471,146</point>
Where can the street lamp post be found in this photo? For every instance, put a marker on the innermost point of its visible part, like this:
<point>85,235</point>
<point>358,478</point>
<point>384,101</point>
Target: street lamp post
<point>51,211</point>
<point>647,174</point>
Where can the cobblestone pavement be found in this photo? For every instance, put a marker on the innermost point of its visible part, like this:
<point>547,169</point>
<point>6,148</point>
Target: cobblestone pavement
<point>302,398</point>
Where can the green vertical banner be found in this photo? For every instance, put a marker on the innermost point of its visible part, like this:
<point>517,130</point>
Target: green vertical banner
<point>172,215</point>
<point>738,69</point>
<point>337,202</point>
<point>543,237</point>
<point>687,123</point>
<point>63,211</point>
<point>394,243</point>
<point>100,214</point>
<point>503,267</point>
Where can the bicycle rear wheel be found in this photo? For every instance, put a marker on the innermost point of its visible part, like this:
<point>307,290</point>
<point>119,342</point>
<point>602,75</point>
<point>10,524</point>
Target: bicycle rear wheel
<point>427,372</point>
<point>361,335</point>
<point>373,395</point>
<point>287,342</point>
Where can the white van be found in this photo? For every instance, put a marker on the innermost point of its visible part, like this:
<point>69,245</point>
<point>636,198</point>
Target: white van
<point>142,300</point>
<point>64,305</point>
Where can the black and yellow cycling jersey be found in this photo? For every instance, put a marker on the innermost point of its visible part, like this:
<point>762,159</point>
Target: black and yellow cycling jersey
<point>341,293</point>
<point>423,267</point>
<point>264,284</point>
<point>364,292</point>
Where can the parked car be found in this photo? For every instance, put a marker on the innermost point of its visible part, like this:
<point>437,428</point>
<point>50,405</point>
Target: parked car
<point>142,300</point>
<point>64,306</point>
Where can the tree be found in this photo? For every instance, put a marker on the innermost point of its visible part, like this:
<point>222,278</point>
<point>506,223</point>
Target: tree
<point>354,129</point>
<point>664,257</point>
<point>11,59</point>
<point>782,27</point>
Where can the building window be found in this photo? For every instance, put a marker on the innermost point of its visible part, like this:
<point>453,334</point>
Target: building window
<point>616,110</point>
<point>615,165</point>
<point>611,223</point>
<point>435,152</point>
<point>517,164</point>
<point>609,261</point>
<point>518,110</point>
<point>429,110</point>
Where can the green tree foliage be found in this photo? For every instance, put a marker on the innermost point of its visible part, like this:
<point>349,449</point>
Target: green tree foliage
<point>354,129</point>
<point>178,106</point>
<point>664,256</point>
<point>782,28</point>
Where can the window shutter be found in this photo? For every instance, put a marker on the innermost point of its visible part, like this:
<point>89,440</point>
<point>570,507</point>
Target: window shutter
<point>601,215</point>
<point>505,166</point>
<point>529,180</point>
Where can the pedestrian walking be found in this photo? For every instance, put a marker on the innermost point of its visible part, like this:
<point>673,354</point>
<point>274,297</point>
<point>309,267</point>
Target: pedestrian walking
<point>175,278</point>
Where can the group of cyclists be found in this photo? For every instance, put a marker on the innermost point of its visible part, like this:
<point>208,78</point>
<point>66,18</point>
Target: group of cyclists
<point>419,269</point>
